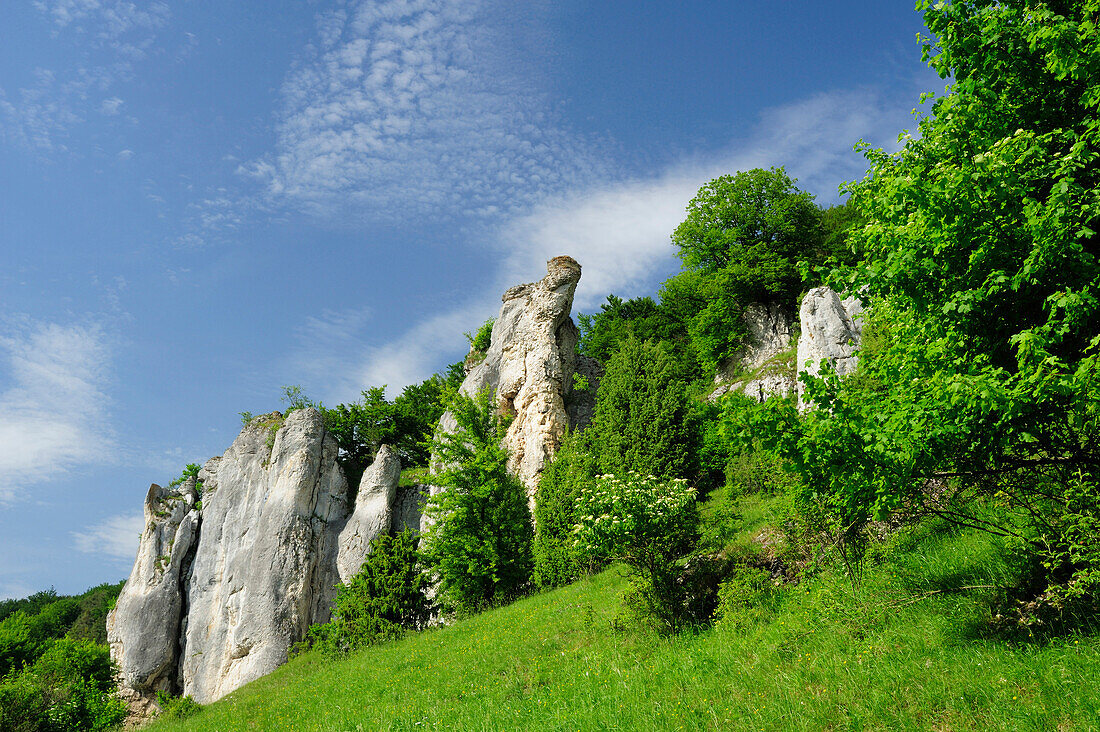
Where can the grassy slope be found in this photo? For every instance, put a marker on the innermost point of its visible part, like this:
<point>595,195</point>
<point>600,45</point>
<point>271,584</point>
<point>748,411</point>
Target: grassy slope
<point>884,655</point>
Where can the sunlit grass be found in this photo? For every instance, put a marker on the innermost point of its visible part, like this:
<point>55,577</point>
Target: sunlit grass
<point>899,650</point>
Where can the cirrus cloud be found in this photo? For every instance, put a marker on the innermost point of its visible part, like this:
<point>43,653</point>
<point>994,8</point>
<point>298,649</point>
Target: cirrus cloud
<point>53,404</point>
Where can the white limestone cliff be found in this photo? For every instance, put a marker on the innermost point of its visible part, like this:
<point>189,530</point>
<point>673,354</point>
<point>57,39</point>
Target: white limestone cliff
<point>219,594</point>
<point>235,566</point>
<point>529,368</point>
<point>831,332</point>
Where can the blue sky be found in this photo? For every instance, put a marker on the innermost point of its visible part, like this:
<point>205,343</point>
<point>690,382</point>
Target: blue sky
<point>202,202</point>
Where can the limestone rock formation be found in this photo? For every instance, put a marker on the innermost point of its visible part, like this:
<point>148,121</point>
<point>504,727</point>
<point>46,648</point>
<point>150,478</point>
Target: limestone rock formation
<point>235,566</point>
<point>373,511</point>
<point>222,589</point>
<point>529,367</point>
<point>143,627</point>
<point>264,565</point>
<point>832,330</point>
<point>758,369</point>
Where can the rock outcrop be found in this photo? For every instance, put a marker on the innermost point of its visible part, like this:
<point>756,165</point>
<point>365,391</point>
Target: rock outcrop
<point>829,328</point>
<point>223,588</point>
<point>264,564</point>
<point>373,511</point>
<point>758,369</point>
<point>143,627</point>
<point>234,566</point>
<point>831,331</point>
<point>529,368</point>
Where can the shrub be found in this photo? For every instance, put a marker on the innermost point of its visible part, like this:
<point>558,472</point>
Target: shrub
<point>648,523</point>
<point>747,596</point>
<point>177,707</point>
<point>557,560</point>
<point>385,598</point>
<point>644,419</point>
<point>479,544</point>
<point>91,623</point>
<point>23,637</point>
<point>69,689</point>
<point>480,341</point>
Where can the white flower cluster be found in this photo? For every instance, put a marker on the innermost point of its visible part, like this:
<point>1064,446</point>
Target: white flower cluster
<point>617,515</point>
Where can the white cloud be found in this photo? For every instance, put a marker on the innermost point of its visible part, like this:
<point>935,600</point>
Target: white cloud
<point>396,112</point>
<point>53,408</point>
<point>110,107</point>
<point>105,20</point>
<point>620,230</point>
<point>116,537</point>
<point>108,36</point>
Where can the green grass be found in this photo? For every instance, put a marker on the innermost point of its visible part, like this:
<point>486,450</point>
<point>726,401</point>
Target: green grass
<point>900,650</point>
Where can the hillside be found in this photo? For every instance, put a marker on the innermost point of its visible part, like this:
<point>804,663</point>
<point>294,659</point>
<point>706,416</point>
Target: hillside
<point>898,651</point>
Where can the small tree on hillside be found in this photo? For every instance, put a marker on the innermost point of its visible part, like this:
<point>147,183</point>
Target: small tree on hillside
<point>480,542</point>
<point>741,243</point>
<point>383,600</point>
<point>648,523</point>
<point>558,560</point>
<point>644,420</point>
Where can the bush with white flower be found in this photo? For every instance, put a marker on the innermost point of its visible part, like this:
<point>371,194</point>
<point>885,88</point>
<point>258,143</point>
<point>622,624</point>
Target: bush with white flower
<point>648,523</point>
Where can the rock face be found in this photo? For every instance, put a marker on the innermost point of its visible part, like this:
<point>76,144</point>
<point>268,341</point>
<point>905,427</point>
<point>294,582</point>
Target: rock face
<point>758,369</point>
<point>372,514</point>
<point>235,566</point>
<point>222,589</point>
<point>832,331</point>
<point>263,568</point>
<point>143,627</point>
<point>529,367</point>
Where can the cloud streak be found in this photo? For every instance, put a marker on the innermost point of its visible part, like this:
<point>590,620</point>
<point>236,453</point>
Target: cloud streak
<point>395,112</point>
<point>116,537</point>
<point>53,405</point>
<point>620,230</point>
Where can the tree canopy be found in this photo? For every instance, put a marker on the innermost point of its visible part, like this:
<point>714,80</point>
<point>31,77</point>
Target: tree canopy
<point>983,276</point>
<point>753,215</point>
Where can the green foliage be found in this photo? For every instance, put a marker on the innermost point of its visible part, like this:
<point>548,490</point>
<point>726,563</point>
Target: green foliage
<point>360,428</point>
<point>480,341</point>
<point>191,471</point>
<point>837,224</point>
<point>644,418</point>
<point>757,215</point>
<point>741,243</point>
<point>383,600</point>
<point>619,320</point>
<point>557,560</point>
<point>983,274</point>
<point>747,596</point>
<point>23,637</point>
<point>70,688</point>
<point>417,410</point>
<point>648,523</point>
<point>91,623</point>
<point>406,424</point>
<point>295,399</point>
<point>479,543</point>
<point>30,605</point>
<point>246,417</point>
<point>176,707</point>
